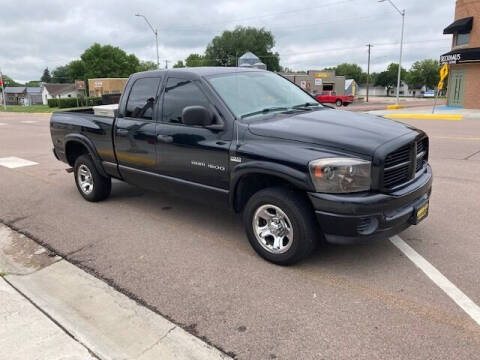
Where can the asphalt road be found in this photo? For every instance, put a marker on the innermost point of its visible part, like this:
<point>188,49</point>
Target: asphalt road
<point>190,260</point>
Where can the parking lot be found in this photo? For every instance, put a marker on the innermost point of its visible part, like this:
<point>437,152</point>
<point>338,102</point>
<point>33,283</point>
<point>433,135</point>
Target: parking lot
<point>191,262</point>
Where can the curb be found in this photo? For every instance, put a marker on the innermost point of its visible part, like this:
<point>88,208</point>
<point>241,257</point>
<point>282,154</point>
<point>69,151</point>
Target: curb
<point>106,322</point>
<point>425,116</point>
<point>395,107</point>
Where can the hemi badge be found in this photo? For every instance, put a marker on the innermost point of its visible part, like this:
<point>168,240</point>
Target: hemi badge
<point>235,159</point>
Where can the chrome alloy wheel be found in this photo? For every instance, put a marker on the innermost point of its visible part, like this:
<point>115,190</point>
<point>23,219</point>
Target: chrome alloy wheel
<point>85,179</point>
<point>273,229</point>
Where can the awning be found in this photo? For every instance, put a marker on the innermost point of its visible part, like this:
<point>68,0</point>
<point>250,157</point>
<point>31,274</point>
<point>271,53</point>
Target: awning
<point>460,26</point>
<point>461,56</point>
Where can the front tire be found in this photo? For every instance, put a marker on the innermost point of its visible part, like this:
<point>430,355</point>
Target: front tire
<point>90,183</point>
<point>280,225</point>
<point>339,102</point>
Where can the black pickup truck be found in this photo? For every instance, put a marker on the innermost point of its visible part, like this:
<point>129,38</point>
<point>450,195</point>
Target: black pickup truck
<point>299,172</point>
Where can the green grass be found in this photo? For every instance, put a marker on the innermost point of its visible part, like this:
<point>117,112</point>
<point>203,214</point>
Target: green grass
<point>32,109</point>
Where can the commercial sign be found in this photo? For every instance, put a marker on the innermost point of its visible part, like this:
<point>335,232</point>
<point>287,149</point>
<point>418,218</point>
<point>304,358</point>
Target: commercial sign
<point>450,58</point>
<point>79,84</point>
<point>318,82</point>
<point>461,56</point>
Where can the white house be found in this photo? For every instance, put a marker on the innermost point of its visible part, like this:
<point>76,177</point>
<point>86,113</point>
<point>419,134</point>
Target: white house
<point>405,91</point>
<point>59,91</point>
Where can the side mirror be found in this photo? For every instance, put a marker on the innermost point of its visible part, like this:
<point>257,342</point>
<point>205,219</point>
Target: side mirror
<point>197,115</point>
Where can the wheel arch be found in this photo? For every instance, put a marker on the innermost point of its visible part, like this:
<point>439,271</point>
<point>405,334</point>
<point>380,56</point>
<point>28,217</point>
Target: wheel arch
<point>253,177</point>
<point>76,145</point>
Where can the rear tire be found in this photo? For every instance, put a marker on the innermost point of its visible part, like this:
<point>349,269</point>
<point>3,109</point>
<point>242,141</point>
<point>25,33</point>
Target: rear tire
<point>90,183</point>
<point>280,225</point>
<point>339,102</point>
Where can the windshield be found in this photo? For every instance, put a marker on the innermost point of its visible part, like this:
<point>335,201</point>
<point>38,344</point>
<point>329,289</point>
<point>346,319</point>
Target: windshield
<point>256,93</point>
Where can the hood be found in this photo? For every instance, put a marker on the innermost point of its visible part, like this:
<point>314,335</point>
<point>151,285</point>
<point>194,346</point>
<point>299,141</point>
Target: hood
<point>349,131</point>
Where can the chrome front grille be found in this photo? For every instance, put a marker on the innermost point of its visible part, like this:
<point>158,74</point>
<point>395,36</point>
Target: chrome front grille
<point>402,164</point>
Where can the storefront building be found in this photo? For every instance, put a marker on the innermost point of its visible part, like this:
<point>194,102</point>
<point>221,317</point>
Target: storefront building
<point>318,81</point>
<point>464,58</point>
<point>99,87</point>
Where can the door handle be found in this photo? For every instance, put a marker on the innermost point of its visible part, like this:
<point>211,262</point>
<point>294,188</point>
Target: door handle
<point>165,139</point>
<point>122,132</point>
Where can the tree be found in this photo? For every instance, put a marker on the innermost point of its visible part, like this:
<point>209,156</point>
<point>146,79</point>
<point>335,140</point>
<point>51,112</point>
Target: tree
<point>351,71</point>
<point>179,64</point>
<point>146,66</point>
<point>225,49</point>
<point>424,73</point>
<point>46,76</point>
<point>33,83</point>
<point>194,60</point>
<point>8,81</point>
<point>61,75</point>
<point>388,78</point>
<point>108,61</point>
<point>76,70</point>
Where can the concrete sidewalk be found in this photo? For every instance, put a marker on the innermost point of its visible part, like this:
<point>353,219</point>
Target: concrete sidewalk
<point>51,309</point>
<point>441,112</point>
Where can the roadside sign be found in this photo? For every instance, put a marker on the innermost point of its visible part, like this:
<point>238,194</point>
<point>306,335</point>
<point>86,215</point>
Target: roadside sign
<point>443,72</point>
<point>79,84</point>
<point>440,85</point>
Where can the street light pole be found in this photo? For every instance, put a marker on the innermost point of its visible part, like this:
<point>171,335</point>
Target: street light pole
<point>155,31</point>
<point>402,13</point>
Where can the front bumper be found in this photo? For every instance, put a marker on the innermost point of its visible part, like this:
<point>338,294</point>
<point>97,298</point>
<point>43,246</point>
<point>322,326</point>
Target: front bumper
<point>349,218</point>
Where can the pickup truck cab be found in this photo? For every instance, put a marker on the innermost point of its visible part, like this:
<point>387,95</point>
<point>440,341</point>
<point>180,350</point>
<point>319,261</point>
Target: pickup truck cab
<point>299,172</point>
<point>330,97</point>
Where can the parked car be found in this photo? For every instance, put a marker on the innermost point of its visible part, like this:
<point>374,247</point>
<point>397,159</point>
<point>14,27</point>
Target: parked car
<point>330,97</point>
<point>298,171</point>
<point>429,93</point>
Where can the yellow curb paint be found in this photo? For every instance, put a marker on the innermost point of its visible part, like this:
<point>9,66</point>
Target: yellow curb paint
<point>393,107</point>
<point>454,117</point>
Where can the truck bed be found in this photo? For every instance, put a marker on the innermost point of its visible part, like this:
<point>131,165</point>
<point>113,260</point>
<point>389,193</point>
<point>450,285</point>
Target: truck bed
<point>82,125</point>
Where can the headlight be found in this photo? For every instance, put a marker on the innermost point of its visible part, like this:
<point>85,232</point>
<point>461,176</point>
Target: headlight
<point>340,175</point>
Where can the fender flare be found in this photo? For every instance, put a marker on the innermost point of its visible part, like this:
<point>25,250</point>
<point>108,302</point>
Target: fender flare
<point>301,180</point>
<point>85,141</point>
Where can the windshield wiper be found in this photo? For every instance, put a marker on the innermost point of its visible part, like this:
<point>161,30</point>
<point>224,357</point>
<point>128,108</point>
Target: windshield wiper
<point>264,111</point>
<point>305,105</point>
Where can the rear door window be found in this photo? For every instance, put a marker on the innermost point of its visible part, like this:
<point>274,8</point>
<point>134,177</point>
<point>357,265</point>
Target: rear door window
<point>142,98</point>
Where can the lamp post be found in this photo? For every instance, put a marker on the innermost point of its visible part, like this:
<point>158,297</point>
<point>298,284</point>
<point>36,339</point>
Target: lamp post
<point>402,13</point>
<point>155,31</point>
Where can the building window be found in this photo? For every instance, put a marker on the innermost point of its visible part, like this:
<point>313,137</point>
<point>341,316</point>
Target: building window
<point>462,39</point>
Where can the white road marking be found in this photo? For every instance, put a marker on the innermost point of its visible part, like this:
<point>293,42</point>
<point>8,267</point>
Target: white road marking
<point>462,300</point>
<point>13,162</point>
<point>29,121</point>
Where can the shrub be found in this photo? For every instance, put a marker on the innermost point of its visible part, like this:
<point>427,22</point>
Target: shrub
<point>67,103</point>
<point>52,102</point>
<point>93,101</point>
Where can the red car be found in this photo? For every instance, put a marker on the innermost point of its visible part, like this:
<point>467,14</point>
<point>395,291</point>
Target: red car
<point>332,98</point>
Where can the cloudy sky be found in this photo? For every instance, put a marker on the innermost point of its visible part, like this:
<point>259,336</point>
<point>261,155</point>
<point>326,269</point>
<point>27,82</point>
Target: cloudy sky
<point>309,34</point>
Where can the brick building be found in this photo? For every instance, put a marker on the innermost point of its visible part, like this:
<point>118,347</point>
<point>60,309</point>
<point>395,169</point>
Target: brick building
<point>464,58</point>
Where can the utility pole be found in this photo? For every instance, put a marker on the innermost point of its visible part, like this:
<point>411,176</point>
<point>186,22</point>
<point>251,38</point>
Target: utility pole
<point>402,13</point>
<point>3,91</point>
<point>166,64</point>
<point>155,31</point>
<point>368,68</point>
